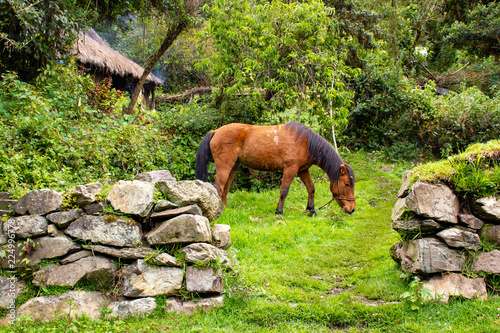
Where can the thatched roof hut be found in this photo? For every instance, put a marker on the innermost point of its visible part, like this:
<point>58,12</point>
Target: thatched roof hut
<point>103,61</point>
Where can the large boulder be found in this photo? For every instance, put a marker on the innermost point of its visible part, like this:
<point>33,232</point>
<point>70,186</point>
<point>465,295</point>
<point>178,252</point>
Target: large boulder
<point>191,192</point>
<point>132,197</point>
<point>181,229</point>
<point>488,262</point>
<point>442,287</point>
<point>487,208</point>
<point>165,259</point>
<point>63,219</point>
<point>437,202</point>
<point>143,280</point>
<point>458,238</point>
<point>97,269</point>
<point>131,308</point>
<point>27,226</point>
<point>109,230</point>
<point>39,202</point>
<point>491,233</point>
<point>84,195</point>
<point>203,253</point>
<point>72,304</point>
<point>191,307</point>
<point>203,280</point>
<point>470,221</point>
<point>429,255</point>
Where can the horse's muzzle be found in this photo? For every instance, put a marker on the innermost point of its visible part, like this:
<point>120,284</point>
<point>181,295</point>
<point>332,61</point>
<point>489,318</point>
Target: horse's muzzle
<point>349,211</point>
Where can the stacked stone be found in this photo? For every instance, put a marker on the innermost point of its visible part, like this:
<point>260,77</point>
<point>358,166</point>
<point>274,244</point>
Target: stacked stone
<point>88,243</point>
<point>438,234</point>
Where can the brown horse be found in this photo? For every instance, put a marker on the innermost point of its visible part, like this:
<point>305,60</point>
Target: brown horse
<point>291,147</point>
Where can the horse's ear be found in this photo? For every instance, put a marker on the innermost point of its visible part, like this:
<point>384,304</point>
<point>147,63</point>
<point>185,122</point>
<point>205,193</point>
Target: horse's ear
<point>343,170</point>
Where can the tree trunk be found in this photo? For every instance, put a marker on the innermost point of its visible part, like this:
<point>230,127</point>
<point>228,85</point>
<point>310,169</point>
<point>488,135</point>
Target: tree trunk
<point>172,34</point>
<point>395,51</point>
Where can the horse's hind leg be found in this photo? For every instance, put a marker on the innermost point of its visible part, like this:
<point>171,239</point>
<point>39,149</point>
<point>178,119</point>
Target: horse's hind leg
<point>224,177</point>
<point>305,176</point>
<point>288,175</point>
<point>229,181</point>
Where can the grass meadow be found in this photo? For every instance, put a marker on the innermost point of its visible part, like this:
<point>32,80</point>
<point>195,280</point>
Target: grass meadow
<point>296,273</point>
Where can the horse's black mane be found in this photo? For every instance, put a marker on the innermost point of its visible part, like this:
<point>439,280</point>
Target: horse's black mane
<point>321,152</point>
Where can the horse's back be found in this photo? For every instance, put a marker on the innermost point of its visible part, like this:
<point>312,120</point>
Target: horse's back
<point>258,147</point>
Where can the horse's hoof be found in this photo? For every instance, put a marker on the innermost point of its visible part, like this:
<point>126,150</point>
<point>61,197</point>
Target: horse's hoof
<point>312,214</point>
<point>278,213</point>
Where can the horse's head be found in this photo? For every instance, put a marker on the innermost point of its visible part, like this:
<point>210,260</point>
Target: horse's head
<point>343,189</point>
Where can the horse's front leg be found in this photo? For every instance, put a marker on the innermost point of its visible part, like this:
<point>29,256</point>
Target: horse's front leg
<point>288,175</point>
<point>305,176</point>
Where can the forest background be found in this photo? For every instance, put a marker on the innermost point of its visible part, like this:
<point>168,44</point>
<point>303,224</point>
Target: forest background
<point>414,80</point>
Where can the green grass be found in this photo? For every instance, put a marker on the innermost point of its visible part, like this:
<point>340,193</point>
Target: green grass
<point>295,273</point>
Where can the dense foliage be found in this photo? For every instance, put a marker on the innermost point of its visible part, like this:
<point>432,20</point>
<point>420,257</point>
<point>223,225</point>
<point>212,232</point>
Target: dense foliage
<point>51,138</point>
<point>478,32</point>
<point>357,67</point>
<point>407,122</point>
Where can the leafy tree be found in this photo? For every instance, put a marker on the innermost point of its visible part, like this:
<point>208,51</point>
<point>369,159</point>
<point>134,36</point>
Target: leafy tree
<point>479,32</point>
<point>137,36</point>
<point>181,15</point>
<point>358,23</point>
<point>286,52</point>
<point>34,33</point>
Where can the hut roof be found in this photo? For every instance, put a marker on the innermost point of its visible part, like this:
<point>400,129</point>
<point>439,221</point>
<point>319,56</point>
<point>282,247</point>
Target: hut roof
<point>94,51</point>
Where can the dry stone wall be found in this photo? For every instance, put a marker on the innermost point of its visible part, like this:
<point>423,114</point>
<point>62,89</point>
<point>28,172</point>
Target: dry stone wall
<point>444,238</point>
<point>117,241</point>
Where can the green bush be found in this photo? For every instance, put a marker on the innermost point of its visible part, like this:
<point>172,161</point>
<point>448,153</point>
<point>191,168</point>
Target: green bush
<point>395,116</point>
<point>389,115</point>
<point>463,119</point>
<point>51,138</point>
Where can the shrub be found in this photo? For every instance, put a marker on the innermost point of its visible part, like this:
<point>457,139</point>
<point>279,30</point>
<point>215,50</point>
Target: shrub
<point>463,119</point>
<point>51,137</point>
<point>406,122</point>
<point>389,114</point>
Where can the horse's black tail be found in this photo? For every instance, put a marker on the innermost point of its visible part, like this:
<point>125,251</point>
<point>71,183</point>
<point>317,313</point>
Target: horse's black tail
<point>203,157</point>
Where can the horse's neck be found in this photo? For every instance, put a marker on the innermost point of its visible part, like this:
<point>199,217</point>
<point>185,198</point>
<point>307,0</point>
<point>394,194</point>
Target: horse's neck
<point>331,167</point>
